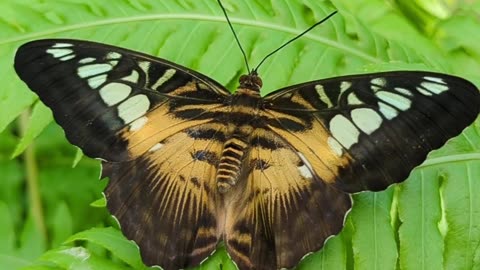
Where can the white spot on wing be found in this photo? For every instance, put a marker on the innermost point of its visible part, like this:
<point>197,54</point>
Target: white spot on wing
<point>435,79</point>
<point>96,81</point>
<point>404,91</point>
<point>113,55</point>
<point>59,53</point>
<point>335,146</point>
<point>388,111</point>
<point>68,57</point>
<point>167,75</point>
<point>86,60</point>
<point>93,69</point>
<point>62,45</point>
<point>156,147</point>
<point>307,166</point>
<point>345,85</point>
<point>397,101</point>
<point>375,88</point>
<point>133,77</point>
<point>424,92</point>
<point>379,82</point>
<point>434,87</point>
<point>114,93</point>
<point>133,108</point>
<point>323,96</point>
<point>144,65</point>
<point>305,172</point>
<point>138,124</point>
<point>366,119</point>
<point>353,99</point>
<point>344,131</point>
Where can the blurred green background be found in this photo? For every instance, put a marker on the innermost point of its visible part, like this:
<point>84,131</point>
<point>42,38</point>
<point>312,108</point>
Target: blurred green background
<point>51,207</point>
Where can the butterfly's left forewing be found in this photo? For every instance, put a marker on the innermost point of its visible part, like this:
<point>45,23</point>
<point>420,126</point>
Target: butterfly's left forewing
<point>365,132</point>
<point>114,103</point>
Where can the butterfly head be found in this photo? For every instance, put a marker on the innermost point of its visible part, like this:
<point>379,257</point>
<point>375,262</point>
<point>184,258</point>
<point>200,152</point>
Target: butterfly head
<point>251,81</point>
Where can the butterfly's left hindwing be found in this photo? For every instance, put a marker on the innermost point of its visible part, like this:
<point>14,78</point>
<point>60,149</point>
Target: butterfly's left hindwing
<point>109,99</point>
<point>365,132</point>
<point>166,200</point>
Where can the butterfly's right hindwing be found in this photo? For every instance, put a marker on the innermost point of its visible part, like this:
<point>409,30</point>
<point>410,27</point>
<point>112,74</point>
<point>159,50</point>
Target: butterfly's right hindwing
<point>107,98</point>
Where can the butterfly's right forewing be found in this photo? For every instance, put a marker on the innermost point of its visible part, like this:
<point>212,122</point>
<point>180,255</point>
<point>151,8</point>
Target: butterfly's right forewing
<point>366,132</point>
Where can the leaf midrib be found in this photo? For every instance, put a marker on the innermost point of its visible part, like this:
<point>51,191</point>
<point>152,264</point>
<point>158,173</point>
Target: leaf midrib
<point>450,158</point>
<point>199,17</point>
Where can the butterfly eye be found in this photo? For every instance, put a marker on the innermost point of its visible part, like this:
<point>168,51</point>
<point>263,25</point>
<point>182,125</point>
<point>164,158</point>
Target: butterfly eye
<point>251,81</point>
<point>258,81</point>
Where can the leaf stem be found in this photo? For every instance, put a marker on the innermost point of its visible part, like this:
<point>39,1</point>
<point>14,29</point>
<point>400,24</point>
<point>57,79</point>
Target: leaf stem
<point>450,158</point>
<point>32,179</point>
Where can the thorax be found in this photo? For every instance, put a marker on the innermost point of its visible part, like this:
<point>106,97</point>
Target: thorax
<point>243,116</point>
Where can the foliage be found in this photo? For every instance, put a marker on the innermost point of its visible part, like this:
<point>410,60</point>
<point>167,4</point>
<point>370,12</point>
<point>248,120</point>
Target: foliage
<point>432,221</point>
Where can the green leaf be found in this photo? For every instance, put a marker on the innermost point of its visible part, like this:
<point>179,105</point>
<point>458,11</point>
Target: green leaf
<point>373,240</point>
<point>421,243</point>
<point>62,226</point>
<point>332,256</point>
<point>78,258</point>
<point>12,262</point>
<point>13,97</point>
<point>113,241</point>
<point>217,261</point>
<point>41,267</point>
<point>102,202</point>
<point>41,116</point>
<point>460,190</point>
<point>78,157</point>
<point>11,179</point>
<point>7,232</point>
<point>32,242</point>
<point>463,51</point>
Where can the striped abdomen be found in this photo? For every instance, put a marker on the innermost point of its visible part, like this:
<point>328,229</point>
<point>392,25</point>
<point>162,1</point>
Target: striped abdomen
<point>230,163</point>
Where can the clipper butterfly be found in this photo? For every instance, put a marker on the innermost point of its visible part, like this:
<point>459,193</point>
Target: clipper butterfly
<point>192,165</point>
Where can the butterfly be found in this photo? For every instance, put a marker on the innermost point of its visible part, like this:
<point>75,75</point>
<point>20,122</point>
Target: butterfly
<point>192,165</point>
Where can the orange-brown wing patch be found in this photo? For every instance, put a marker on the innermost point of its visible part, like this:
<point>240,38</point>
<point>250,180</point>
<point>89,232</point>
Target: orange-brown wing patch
<point>169,117</point>
<point>166,199</point>
<point>313,141</point>
<point>281,210</point>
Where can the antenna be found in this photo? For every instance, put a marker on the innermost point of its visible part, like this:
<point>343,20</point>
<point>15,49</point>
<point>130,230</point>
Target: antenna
<point>295,38</point>
<point>276,50</point>
<point>235,35</point>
